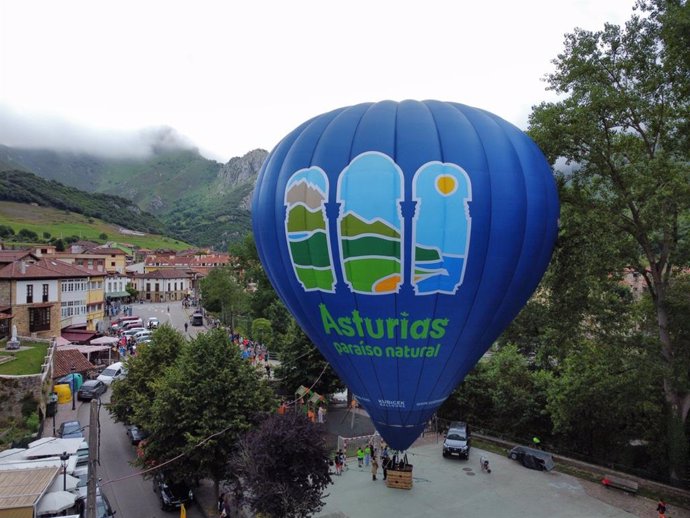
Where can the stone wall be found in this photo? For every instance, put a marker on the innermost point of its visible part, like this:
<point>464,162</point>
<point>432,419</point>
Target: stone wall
<point>13,390</point>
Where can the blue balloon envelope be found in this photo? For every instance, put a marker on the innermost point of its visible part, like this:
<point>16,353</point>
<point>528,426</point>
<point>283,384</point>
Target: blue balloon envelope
<point>404,237</point>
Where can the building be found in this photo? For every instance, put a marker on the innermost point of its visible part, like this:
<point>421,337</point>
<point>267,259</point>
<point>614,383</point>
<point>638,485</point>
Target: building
<point>202,263</point>
<point>116,286</point>
<point>48,295</point>
<point>164,285</point>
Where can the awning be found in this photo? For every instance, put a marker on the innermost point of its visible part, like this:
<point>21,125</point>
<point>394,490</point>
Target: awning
<point>117,294</point>
<point>104,340</point>
<point>55,502</point>
<point>79,337</point>
<point>5,316</point>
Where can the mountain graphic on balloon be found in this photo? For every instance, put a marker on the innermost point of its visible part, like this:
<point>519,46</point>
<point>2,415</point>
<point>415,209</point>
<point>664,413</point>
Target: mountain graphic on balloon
<point>370,230</point>
<point>404,238</point>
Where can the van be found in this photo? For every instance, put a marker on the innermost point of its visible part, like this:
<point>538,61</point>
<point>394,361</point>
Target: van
<point>457,440</point>
<point>198,319</point>
<point>132,323</point>
<point>114,372</point>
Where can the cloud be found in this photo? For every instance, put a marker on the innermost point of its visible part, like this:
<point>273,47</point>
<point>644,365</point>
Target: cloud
<point>22,130</point>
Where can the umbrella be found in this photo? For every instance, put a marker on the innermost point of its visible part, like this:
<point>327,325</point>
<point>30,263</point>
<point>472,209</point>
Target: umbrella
<point>104,340</point>
<point>61,481</point>
<point>55,502</point>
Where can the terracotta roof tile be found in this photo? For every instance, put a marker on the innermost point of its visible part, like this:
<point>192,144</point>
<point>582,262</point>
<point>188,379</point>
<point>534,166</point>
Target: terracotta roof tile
<point>63,361</point>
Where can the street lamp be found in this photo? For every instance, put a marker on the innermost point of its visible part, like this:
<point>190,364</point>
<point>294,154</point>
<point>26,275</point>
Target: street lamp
<point>63,461</point>
<point>73,383</point>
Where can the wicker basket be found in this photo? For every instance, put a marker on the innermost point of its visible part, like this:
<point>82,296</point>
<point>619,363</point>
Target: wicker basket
<point>400,478</point>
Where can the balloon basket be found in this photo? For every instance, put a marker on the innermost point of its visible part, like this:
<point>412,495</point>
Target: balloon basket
<point>399,478</point>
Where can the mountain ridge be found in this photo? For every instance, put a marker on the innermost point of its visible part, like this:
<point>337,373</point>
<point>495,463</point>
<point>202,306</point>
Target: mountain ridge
<point>198,200</point>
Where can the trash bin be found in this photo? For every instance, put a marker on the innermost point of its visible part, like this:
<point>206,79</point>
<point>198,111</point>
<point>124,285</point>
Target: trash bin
<point>64,393</point>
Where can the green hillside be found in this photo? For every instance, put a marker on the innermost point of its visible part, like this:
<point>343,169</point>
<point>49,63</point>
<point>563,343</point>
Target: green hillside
<point>61,224</point>
<point>23,187</point>
<point>195,199</point>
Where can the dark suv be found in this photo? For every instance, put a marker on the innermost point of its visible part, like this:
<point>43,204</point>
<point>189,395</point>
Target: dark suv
<point>171,494</point>
<point>457,440</point>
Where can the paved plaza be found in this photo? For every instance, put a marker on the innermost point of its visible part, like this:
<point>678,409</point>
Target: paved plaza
<point>453,487</point>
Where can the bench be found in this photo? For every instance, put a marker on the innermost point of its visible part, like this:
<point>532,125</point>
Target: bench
<point>629,486</point>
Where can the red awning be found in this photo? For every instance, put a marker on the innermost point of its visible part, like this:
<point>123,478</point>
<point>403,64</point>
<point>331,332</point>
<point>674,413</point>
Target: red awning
<point>5,316</point>
<point>76,337</point>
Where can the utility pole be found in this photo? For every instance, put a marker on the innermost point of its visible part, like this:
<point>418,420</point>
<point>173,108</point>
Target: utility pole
<point>93,459</point>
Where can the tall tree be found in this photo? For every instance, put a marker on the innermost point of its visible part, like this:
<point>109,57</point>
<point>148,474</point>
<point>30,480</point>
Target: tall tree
<point>225,295</point>
<point>201,406</point>
<point>281,469</point>
<point>132,396</point>
<point>621,124</point>
<point>302,364</point>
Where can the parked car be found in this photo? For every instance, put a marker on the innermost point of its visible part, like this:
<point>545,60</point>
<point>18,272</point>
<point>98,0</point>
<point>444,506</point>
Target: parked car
<point>153,323</point>
<point>133,323</point>
<point>113,372</point>
<point>133,330</point>
<point>457,440</point>
<point>103,509</point>
<point>171,494</point>
<point>83,454</point>
<point>141,335</point>
<point>532,458</point>
<point>136,434</point>
<point>91,389</point>
<point>70,430</point>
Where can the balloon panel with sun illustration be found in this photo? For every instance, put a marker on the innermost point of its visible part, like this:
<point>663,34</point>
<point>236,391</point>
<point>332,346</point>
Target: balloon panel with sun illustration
<point>441,228</point>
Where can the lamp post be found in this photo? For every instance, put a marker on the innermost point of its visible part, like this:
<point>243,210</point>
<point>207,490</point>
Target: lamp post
<point>63,461</point>
<point>72,370</point>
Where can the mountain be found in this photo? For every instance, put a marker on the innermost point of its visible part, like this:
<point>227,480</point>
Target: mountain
<point>198,200</point>
<point>23,187</point>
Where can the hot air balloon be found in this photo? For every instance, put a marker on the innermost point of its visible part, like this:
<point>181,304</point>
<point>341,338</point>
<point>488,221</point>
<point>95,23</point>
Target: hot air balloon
<point>404,237</point>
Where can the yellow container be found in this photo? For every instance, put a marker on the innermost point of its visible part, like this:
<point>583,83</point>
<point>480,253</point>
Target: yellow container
<point>64,393</point>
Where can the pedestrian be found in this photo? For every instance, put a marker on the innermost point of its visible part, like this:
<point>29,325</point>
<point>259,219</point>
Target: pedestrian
<point>221,500</point>
<point>321,413</point>
<point>360,457</point>
<point>338,464</point>
<point>367,454</point>
<point>661,508</point>
<point>168,309</point>
<point>536,441</point>
<point>385,461</point>
<point>185,327</point>
<point>267,366</point>
<point>374,468</point>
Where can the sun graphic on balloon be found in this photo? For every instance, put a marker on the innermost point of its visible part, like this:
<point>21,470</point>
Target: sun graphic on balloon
<point>446,184</point>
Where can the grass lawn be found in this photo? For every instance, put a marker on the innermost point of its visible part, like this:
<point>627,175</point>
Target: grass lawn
<point>28,361</point>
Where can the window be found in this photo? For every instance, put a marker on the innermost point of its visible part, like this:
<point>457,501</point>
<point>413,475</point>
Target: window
<point>45,293</point>
<point>112,263</point>
<point>30,294</point>
<point>39,319</point>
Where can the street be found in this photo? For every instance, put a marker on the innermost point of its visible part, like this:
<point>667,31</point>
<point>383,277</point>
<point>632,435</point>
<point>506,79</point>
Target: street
<point>127,491</point>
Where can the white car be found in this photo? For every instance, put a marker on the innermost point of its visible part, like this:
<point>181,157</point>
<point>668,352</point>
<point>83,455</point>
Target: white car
<point>133,331</point>
<point>153,323</point>
<point>142,334</point>
<point>114,372</point>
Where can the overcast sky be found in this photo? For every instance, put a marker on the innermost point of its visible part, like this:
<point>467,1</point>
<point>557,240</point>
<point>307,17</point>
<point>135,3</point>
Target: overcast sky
<point>229,77</point>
